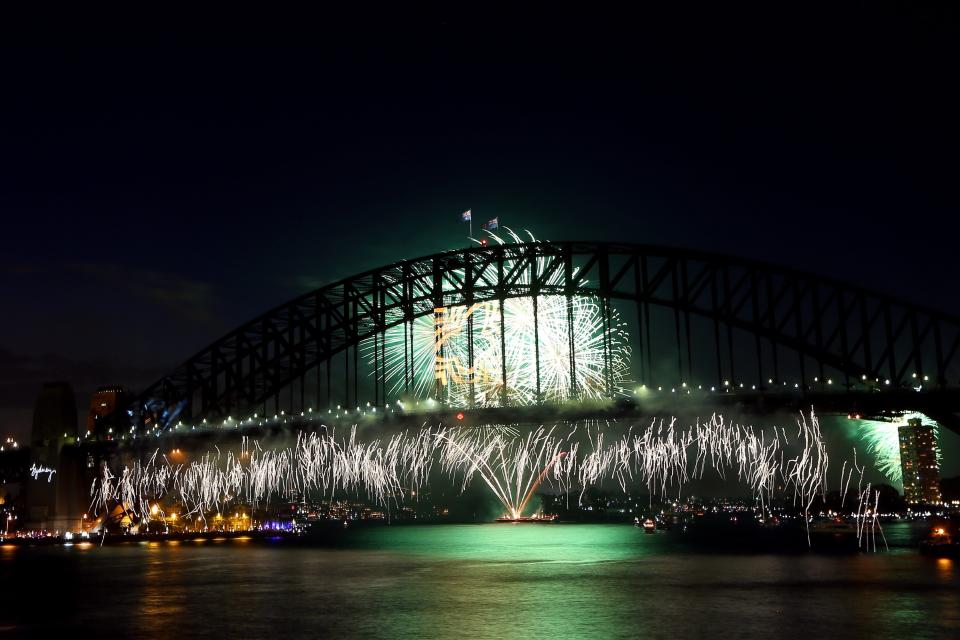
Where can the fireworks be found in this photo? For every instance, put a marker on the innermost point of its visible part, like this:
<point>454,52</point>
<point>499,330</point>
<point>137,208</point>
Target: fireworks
<point>437,349</point>
<point>882,442</point>
<point>663,457</point>
<point>867,515</point>
<point>512,467</point>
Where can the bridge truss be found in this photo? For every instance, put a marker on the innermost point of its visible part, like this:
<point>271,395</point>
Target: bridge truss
<point>698,320</point>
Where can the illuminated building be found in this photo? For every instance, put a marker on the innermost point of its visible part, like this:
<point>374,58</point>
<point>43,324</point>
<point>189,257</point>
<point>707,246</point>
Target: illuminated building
<point>918,462</point>
<point>102,418</point>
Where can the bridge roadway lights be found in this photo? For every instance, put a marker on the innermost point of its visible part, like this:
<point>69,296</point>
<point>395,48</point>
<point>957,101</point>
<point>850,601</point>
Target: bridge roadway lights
<point>939,405</point>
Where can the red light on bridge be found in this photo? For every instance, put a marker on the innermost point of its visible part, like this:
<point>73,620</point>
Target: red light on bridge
<point>460,416</point>
<point>483,242</point>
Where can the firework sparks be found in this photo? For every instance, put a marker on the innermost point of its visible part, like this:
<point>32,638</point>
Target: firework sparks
<point>662,457</point>
<point>435,350</point>
<point>881,441</point>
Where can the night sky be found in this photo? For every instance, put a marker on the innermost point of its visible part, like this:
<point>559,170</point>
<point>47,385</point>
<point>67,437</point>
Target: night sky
<point>156,193</point>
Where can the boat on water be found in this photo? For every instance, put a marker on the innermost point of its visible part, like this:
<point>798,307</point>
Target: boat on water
<point>833,527</point>
<point>649,525</point>
<point>941,540</point>
<point>836,534</point>
<point>534,519</point>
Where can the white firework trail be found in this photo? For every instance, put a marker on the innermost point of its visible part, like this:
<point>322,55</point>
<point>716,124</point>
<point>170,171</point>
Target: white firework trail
<point>867,515</point>
<point>512,467</point>
<point>663,457</point>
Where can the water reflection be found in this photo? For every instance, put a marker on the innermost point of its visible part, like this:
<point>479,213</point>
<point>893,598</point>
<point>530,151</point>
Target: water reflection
<point>945,566</point>
<point>164,600</point>
<point>486,581</point>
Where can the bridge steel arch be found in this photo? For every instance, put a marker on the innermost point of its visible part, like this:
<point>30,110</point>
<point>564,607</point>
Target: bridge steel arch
<point>816,327</point>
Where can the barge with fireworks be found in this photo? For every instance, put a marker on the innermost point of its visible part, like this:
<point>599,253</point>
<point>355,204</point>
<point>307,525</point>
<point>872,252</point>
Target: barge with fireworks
<point>534,519</point>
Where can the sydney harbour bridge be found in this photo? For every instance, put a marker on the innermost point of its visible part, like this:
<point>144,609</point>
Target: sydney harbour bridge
<point>516,332</point>
<point>518,325</point>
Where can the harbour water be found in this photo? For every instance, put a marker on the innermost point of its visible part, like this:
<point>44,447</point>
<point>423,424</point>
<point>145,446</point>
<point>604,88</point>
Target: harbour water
<point>472,581</point>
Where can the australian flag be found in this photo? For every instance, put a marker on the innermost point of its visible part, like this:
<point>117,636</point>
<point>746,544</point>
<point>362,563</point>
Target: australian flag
<point>467,215</point>
<point>492,224</point>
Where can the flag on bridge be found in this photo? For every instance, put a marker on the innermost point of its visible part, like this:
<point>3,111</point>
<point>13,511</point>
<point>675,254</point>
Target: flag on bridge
<point>467,215</point>
<point>492,224</point>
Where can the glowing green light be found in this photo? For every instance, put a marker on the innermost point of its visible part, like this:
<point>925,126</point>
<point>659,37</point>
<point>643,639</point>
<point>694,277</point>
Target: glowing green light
<point>527,335</point>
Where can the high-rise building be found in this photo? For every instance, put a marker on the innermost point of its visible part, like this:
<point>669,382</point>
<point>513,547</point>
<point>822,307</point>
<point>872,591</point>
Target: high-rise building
<point>103,419</point>
<point>918,462</point>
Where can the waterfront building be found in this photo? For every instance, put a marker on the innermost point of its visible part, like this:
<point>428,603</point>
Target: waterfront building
<point>918,462</point>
